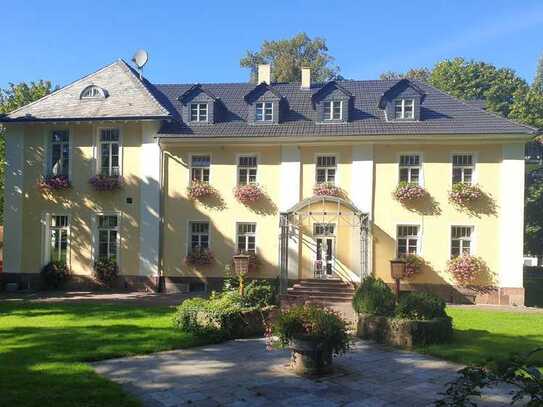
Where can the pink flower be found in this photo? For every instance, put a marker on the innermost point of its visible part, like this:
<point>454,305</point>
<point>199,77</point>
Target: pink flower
<point>106,182</point>
<point>463,194</point>
<point>466,269</point>
<point>54,182</point>
<point>199,257</point>
<point>406,192</point>
<point>248,193</point>
<point>414,265</point>
<point>199,189</point>
<point>327,189</point>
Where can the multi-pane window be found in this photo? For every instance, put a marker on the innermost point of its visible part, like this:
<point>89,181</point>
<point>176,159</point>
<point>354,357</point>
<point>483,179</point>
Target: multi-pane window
<point>333,110</point>
<point>108,235</point>
<point>200,168</point>
<point>463,168</point>
<point>326,169</point>
<point>60,153</point>
<point>246,237</point>
<point>264,112</point>
<point>198,112</point>
<point>323,229</point>
<point>404,108</point>
<point>91,92</point>
<point>247,168</point>
<point>461,240</point>
<point>59,230</point>
<point>199,236</point>
<point>410,168</point>
<point>109,152</point>
<point>407,239</point>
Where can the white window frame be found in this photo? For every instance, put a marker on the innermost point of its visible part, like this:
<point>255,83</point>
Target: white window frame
<point>99,93</point>
<point>189,233</point>
<point>48,167</point>
<point>419,237</point>
<point>238,167</point>
<point>331,116</point>
<point>96,237</point>
<point>238,235</point>
<point>198,112</point>
<point>264,108</point>
<point>403,111</point>
<point>47,237</point>
<point>317,167</point>
<point>473,236</point>
<point>420,166</point>
<point>191,155</point>
<point>98,149</point>
<point>474,160</point>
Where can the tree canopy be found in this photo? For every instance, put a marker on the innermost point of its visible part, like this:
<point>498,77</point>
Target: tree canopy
<point>288,56</point>
<point>421,74</point>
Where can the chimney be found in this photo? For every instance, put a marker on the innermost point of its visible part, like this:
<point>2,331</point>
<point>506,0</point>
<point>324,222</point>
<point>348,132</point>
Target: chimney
<point>264,74</point>
<point>306,78</point>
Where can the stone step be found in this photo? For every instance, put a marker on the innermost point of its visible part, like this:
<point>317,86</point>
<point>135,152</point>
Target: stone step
<point>324,294</point>
<point>297,287</point>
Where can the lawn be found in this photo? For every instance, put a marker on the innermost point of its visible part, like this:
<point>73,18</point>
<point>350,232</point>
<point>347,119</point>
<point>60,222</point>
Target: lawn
<point>44,349</point>
<point>481,334</point>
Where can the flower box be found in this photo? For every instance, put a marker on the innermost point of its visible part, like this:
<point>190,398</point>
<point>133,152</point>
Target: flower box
<point>406,192</point>
<point>106,182</point>
<point>327,189</point>
<point>199,257</point>
<point>413,265</point>
<point>466,269</point>
<point>464,194</point>
<point>54,183</point>
<point>249,193</point>
<point>199,189</point>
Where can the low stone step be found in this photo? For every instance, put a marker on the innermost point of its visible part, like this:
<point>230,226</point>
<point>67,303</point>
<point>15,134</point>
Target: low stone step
<point>323,288</point>
<point>306,293</point>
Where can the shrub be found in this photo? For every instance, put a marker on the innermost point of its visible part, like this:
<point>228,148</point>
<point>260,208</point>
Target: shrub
<point>259,294</point>
<point>106,271</point>
<point>466,269</point>
<point>55,274</point>
<point>414,265</point>
<point>249,193</point>
<point>54,182</point>
<point>106,182</point>
<point>199,257</point>
<point>315,324</point>
<point>374,297</point>
<point>199,189</point>
<point>463,194</point>
<point>327,189</point>
<point>406,192</point>
<point>420,305</point>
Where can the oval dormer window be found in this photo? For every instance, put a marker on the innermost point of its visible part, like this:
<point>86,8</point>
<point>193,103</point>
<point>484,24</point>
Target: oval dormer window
<point>93,92</point>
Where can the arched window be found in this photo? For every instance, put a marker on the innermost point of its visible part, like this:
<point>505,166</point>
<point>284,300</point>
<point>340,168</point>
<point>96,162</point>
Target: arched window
<point>93,92</point>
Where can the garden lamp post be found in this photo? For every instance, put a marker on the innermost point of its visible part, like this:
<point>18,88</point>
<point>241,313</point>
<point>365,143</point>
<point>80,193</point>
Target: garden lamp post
<point>241,267</point>
<point>397,271</point>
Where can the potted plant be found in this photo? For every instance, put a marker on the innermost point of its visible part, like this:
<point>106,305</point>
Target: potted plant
<point>327,189</point>
<point>199,189</point>
<point>407,192</point>
<point>248,193</point>
<point>199,257</point>
<point>466,269</point>
<point>464,194</point>
<point>314,335</point>
<point>54,182</point>
<point>106,182</point>
<point>413,265</point>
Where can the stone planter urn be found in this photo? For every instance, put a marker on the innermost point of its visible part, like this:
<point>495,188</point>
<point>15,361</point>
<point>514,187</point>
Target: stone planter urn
<point>309,357</point>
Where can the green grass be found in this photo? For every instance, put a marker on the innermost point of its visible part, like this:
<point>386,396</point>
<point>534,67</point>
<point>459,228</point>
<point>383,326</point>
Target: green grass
<point>44,349</point>
<point>481,335</point>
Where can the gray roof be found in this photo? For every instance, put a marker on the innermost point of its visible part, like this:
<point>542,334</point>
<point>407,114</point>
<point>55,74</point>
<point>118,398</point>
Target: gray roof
<point>440,113</point>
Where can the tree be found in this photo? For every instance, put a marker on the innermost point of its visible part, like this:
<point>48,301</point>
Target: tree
<point>527,108</point>
<point>15,96</point>
<point>421,74</point>
<point>479,80</point>
<point>533,212</point>
<point>288,56</point>
<point>538,80</point>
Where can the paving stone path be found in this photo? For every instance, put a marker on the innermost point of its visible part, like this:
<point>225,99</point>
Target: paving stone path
<point>244,373</point>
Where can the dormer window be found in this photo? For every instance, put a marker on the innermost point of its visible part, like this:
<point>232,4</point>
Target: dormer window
<point>92,92</point>
<point>404,109</point>
<point>264,112</point>
<point>333,110</point>
<point>198,112</point>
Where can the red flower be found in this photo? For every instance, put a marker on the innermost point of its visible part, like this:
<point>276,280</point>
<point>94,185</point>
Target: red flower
<point>327,189</point>
<point>54,182</point>
<point>466,269</point>
<point>463,194</point>
<point>248,193</point>
<point>199,189</point>
<point>406,192</point>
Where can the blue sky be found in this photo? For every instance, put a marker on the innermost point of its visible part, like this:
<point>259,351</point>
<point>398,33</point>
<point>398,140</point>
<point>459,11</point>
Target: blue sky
<point>202,41</point>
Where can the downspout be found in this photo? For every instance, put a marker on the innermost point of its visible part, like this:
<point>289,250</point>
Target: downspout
<point>161,284</point>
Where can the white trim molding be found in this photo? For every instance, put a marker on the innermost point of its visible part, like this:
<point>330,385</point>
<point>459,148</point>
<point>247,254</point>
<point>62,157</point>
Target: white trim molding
<point>149,200</point>
<point>512,216</point>
<point>13,199</point>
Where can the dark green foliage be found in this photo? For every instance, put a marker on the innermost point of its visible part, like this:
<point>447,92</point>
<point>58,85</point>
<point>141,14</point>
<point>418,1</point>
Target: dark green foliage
<point>55,274</point>
<point>106,271</point>
<point>420,305</point>
<point>518,371</point>
<point>374,297</point>
<point>315,324</point>
<point>260,293</point>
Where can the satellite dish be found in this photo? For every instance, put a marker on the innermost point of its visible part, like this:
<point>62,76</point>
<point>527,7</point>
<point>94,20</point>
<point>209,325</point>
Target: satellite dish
<point>140,58</point>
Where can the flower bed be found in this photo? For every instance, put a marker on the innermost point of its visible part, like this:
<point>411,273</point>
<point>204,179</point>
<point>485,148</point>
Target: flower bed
<point>106,182</point>
<point>466,269</point>
<point>199,189</point>
<point>414,265</point>
<point>199,257</point>
<point>406,192</point>
<point>54,182</point>
<point>327,189</point>
<point>249,193</point>
<point>106,271</point>
<point>463,194</point>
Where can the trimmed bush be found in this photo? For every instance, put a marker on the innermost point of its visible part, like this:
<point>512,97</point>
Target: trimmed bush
<point>55,274</point>
<point>420,306</point>
<point>106,271</point>
<point>259,294</point>
<point>374,297</point>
